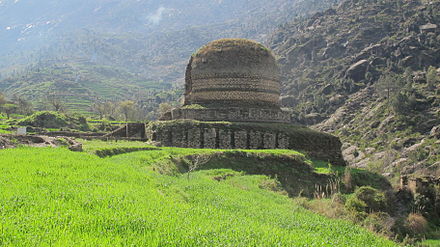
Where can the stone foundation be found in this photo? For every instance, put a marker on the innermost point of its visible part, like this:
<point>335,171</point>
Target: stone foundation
<point>227,135</point>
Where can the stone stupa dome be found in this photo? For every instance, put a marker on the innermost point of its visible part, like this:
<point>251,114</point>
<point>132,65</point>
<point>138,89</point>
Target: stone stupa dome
<point>233,72</point>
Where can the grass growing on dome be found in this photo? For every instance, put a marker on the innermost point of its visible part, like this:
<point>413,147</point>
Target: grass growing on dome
<point>221,44</point>
<point>54,197</point>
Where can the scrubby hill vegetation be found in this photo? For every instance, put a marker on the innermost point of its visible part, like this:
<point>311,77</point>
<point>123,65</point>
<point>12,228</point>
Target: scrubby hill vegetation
<point>368,71</point>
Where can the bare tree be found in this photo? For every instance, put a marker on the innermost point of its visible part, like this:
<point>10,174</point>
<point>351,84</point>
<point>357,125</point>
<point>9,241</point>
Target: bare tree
<point>56,102</point>
<point>196,161</point>
<point>127,109</point>
<point>100,108</point>
<point>9,109</point>
<point>23,106</point>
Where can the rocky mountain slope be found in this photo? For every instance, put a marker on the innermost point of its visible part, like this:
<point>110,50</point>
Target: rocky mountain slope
<point>138,35</point>
<point>143,42</point>
<point>367,70</point>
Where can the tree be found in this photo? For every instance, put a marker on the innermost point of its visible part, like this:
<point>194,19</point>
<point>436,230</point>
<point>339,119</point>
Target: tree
<point>127,109</point>
<point>9,109</point>
<point>23,106</point>
<point>432,78</point>
<point>2,100</point>
<point>164,108</point>
<point>100,109</point>
<point>389,85</point>
<point>56,102</point>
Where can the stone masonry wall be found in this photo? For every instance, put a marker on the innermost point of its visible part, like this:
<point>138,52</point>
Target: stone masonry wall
<point>222,135</point>
<point>235,114</point>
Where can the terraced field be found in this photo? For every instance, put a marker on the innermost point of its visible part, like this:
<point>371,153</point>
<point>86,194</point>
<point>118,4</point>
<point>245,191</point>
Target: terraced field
<point>54,197</point>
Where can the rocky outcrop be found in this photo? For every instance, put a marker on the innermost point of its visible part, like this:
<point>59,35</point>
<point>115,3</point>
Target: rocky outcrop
<point>357,71</point>
<point>360,71</point>
<point>345,49</point>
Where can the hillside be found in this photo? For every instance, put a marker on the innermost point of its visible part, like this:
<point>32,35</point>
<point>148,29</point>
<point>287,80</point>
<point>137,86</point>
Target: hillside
<point>79,85</point>
<point>367,71</point>
<point>77,199</point>
<point>142,41</point>
<point>142,32</point>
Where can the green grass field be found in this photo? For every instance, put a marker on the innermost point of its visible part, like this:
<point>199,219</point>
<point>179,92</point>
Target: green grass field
<point>54,197</point>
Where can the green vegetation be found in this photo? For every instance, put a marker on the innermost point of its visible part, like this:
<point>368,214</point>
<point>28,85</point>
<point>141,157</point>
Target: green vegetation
<point>222,44</point>
<point>54,120</point>
<point>431,243</point>
<point>76,87</point>
<point>78,199</point>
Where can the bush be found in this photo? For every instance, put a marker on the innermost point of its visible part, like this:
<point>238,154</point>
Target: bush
<point>380,222</point>
<point>374,199</point>
<point>367,199</point>
<point>416,224</point>
<point>355,204</point>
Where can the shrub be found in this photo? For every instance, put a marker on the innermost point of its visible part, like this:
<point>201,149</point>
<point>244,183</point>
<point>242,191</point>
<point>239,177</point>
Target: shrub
<point>272,185</point>
<point>374,199</point>
<point>416,224</point>
<point>355,204</point>
<point>380,222</point>
<point>367,199</point>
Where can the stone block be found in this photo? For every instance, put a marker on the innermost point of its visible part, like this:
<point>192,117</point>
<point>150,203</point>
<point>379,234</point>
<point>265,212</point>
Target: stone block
<point>255,140</point>
<point>269,140</point>
<point>240,138</point>
<point>210,138</point>
<point>283,141</point>
<point>194,138</point>
<point>225,139</point>
<point>164,137</point>
<point>178,138</point>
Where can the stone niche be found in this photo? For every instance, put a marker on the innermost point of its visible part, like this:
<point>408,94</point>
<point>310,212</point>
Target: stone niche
<point>228,135</point>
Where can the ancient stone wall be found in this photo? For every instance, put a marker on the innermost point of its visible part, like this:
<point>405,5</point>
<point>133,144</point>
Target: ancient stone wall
<point>223,135</point>
<point>233,72</point>
<point>234,114</point>
<point>241,90</point>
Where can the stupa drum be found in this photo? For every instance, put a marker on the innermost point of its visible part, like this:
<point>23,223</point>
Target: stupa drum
<point>232,80</point>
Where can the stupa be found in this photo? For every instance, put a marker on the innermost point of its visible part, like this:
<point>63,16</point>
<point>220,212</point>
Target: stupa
<point>234,80</point>
<point>232,91</point>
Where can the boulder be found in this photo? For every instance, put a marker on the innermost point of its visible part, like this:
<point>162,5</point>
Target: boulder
<point>357,71</point>
<point>288,101</point>
<point>76,147</point>
<point>435,131</point>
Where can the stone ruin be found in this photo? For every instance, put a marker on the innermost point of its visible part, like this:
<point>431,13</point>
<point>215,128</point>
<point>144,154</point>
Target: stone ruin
<point>232,92</point>
<point>232,80</point>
